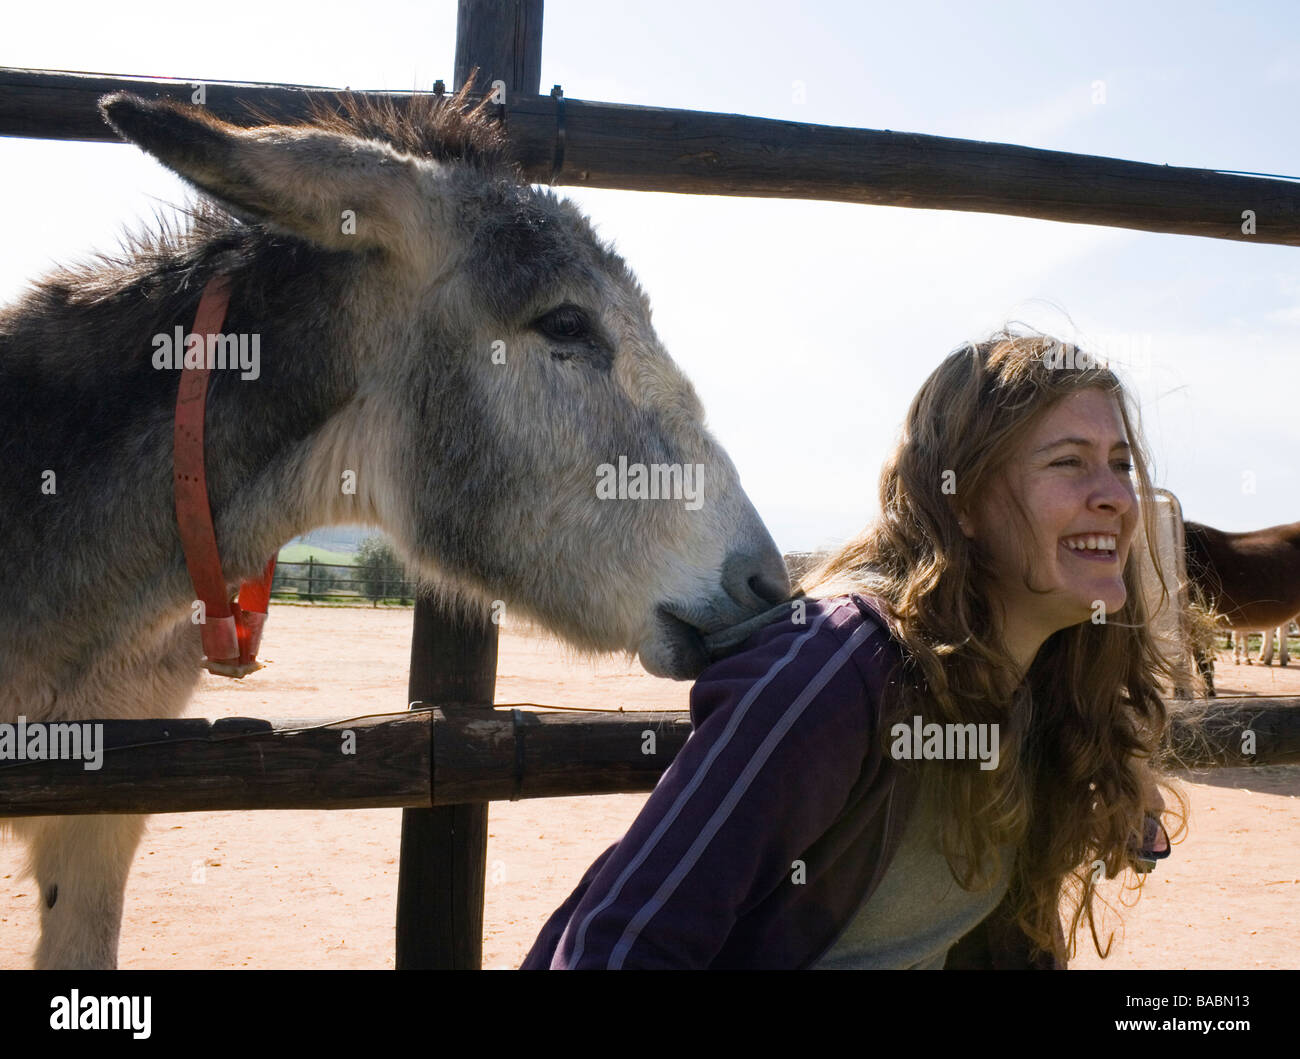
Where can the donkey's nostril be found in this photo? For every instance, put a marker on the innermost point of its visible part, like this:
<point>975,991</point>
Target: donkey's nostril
<point>769,589</point>
<point>756,581</point>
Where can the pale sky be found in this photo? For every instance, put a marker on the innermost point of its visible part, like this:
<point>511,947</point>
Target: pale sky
<point>807,326</point>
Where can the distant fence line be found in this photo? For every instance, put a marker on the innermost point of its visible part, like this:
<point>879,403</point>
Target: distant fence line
<point>315,581</point>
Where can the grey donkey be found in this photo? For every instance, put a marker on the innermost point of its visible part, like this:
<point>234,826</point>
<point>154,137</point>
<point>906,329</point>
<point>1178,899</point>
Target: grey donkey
<point>456,344</point>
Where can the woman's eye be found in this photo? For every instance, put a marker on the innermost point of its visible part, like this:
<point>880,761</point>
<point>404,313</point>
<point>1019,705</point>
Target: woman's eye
<point>564,324</point>
<point>1073,461</point>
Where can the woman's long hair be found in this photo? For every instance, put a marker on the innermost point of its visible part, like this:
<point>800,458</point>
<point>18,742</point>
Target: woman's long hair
<point>1081,732</point>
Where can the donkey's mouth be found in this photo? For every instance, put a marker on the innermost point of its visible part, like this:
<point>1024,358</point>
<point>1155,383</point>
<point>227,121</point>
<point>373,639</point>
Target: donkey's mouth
<point>675,648</point>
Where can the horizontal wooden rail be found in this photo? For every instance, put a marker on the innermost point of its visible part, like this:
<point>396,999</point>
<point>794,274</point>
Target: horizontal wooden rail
<point>608,145</point>
<point>446,755</point>
<point>194,765</point>
<point>457,753</point>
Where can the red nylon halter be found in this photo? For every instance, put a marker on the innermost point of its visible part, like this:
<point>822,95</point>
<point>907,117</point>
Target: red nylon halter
<point>231,630</point>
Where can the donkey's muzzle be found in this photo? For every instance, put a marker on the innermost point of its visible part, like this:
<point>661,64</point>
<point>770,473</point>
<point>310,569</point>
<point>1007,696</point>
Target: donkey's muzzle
<point>692,634</point>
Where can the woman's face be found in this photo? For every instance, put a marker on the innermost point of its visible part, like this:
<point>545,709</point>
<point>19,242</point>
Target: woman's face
<point>1071,474</point>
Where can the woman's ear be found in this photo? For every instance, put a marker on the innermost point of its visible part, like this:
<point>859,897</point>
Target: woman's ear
<point>965,525</point>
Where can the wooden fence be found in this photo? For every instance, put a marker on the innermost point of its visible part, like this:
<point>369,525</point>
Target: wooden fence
<point>445,763</point>
<point>459,753</point>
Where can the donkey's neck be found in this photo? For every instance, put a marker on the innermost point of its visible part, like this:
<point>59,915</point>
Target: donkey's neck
<point>294,449</point>
<point>86,458</point>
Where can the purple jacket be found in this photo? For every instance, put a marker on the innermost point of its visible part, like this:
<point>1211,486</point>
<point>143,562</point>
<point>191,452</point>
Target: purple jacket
<point>782,765</point>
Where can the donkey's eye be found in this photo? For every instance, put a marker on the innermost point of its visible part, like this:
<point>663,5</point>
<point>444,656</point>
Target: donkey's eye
<point>566,323</point>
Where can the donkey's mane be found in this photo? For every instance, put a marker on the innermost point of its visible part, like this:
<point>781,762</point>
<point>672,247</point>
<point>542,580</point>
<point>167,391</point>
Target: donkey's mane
<point>444,129</point>
<point>447,129</point>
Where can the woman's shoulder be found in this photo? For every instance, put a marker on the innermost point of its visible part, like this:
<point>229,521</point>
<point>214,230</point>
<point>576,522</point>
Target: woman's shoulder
<point>806,643</point>
<point>839,617</point>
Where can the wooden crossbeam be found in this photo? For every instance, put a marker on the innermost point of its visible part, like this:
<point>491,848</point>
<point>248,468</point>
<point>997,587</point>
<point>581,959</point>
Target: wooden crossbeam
<point>609,145</point>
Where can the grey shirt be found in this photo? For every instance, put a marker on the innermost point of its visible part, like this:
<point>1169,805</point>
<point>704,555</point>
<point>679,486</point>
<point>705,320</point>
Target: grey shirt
<point>918,911</point>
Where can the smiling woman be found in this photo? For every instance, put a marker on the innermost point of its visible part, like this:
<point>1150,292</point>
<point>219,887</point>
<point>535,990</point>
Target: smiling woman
<point>1017,594</point>
<point>912,766</point>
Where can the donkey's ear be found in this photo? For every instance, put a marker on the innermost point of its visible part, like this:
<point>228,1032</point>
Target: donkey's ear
<point>340,192</point>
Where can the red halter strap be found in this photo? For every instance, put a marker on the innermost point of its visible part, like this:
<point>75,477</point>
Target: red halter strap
<point>232,631</point>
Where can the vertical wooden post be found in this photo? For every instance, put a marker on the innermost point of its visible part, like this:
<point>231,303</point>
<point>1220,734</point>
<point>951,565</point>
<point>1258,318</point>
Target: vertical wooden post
<point>454,659</point>
<point>444,849</point>
<point>503,38</point>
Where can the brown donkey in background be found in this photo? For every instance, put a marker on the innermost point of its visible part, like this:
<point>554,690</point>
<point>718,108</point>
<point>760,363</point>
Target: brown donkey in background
<point>1252,579</point>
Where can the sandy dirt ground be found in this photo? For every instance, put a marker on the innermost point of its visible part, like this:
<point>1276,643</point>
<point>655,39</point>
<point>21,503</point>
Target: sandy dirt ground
<point>318,889</point>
